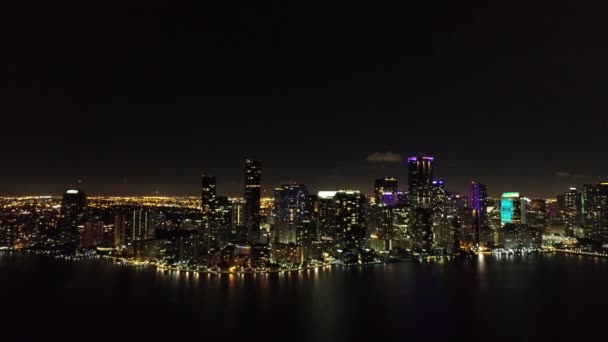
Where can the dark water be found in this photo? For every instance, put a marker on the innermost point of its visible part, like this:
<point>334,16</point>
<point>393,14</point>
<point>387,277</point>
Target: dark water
<point>550,296</point>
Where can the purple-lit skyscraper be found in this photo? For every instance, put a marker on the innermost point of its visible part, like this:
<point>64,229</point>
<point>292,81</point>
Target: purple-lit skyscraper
<point>478,200</point>
<point>420,180</point>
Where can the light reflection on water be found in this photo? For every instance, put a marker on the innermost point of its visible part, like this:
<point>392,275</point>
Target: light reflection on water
<point>391,300</point>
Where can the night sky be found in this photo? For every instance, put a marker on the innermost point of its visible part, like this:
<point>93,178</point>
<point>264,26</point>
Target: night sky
<point>142,100</point>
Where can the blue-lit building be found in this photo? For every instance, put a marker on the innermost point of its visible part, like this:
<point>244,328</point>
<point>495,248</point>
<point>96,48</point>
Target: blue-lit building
<point>511,209</point>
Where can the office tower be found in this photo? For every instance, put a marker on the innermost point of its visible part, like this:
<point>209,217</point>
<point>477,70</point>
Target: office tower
<point>384,222</point>
<point>380,222</point>
<point>420,181</point>
<point>253,178</point>
<point>73,211</point>
<point>290,208</point>
<point>571,210</point>
<point>223,220</point>
<point>350,217</point>
<point>384,188</point>
<point>401,228</point>
<point>454,220</point>
<point>208,207</point>
<point>422,230</point>
<point>311,208</point>
<point>290,202</point>
<point>493,218</point>
<point>327,212</point>
<point>510,208</point>
<point>306,232</point>
<point>439,217</point>
<point>478,201</point>
<point>92,234</point>
<point>278,203</point>
<point>120,229</point>
<point>595,212</point>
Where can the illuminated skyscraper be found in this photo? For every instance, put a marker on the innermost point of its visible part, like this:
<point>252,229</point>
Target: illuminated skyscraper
<point>571,210</point>
<point>383,189</point>
<point>290,209</point>
<point>441,227</point>
<point>209,229</point>
<point>223,220</point>
<point>422,230</point>
<point>327,212</point>
<point>73,210</point>
<point>350,217</point>
<point>306,229</point>
<point>420,181</point>
<point>478,201</point>
<point>253,179</point>
<point>511,208</point>
<point>595,212</point>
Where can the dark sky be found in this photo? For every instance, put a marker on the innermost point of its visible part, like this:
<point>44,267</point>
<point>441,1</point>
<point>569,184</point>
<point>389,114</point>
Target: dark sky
<point>143,98</point>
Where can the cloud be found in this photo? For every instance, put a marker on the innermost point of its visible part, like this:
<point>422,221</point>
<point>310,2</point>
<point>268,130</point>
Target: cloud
<point>562,174</point>
<point>384,157</point>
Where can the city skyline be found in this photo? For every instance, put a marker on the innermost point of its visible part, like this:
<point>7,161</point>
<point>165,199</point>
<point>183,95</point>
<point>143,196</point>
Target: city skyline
<point>226,170</point>
<point>232,188</point>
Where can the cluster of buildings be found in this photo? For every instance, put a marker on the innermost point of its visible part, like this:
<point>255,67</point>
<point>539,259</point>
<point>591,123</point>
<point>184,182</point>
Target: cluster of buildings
<point>297,226</point>
<point>584,213</point>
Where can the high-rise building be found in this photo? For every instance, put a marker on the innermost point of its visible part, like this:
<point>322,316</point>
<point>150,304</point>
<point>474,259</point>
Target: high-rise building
<point>253,179</point>
<point>73,211</point>
<point>511,210</point>
<point>120,229</point>
<point>439,216</point>
<point>290,202</point>
<point>290,210</point>
<point>420,181</point>
<point>422,230</point>
<point>327,213</point>
<point>350,217</point>
<point>478,201</point>
<point>209,229</point>
<point>571,210</point>
<point>223,220</point>
<point>595,212</point>
<point>384,188</point>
